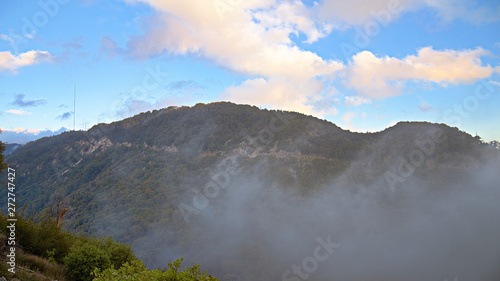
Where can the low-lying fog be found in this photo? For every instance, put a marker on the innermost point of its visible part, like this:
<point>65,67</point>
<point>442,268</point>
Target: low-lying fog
<point>252,231</point>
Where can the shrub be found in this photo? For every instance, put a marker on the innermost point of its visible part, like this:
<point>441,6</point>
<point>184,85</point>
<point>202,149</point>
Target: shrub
<point>119,253</point>
<point>85,256</point>
<point>43,238</point>
<point>88,255</point>
<point>137,271</point>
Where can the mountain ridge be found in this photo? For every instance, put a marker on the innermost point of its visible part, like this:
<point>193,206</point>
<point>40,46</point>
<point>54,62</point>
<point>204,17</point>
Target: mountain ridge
<point>181,162</point>
<point>217,129</point>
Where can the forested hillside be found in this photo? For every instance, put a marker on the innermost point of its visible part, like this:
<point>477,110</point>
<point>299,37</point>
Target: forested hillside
<point>232,186</point>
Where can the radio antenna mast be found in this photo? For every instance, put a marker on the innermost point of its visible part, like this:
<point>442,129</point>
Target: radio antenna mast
<point>74,108</point>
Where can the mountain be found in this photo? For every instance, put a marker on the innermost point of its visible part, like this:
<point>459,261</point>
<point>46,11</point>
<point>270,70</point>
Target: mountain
<point>232,187</point>
<point>10,147</point>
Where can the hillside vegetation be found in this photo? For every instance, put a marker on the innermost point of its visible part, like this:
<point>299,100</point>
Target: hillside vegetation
<point>167,182</point>
<point>45,252</point>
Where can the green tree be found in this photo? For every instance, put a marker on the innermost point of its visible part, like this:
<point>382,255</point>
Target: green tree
<point>2,149</point>
<point>87,255</point>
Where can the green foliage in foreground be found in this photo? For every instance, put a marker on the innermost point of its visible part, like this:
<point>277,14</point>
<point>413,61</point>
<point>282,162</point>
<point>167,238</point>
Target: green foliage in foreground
<point>87,255</point>
<point>41,237</point>
<point>51,253</point>
<point>137,271</point>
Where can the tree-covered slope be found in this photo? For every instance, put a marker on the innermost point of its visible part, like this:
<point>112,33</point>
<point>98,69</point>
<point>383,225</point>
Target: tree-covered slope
<point>152,179</point>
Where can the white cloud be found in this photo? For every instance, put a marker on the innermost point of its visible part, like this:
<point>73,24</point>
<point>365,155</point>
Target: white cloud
<point>6,38</point>
<point>356,101</point>
<point>18,112</point>
<point>376,77</point>
<point>347,118</point>
<point>360,12</point>
<point>425,107</point>
<point>350,116</point>
<point>21,130</point>
<point>292,18</point>
<point>279,92</point>
<point>250,37</point>
<point>449,10</point>
<point>242,40</point>
<point>11,62</point>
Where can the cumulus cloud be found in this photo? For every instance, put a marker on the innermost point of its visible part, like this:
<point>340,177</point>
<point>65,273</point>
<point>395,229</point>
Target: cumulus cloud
<point>376,77</point>
<point>281,92</point>
<point>241,40</point>
<point>292,18</point>
<point>253,38</point>
<point>20,101</point>
<point>11,63</point>
<point>18,112</point>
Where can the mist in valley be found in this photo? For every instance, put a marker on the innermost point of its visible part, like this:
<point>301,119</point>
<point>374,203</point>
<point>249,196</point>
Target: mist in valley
<point>248,227</point>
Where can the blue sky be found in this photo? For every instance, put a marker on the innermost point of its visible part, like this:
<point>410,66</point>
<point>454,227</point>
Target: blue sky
<point>363,65</point>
